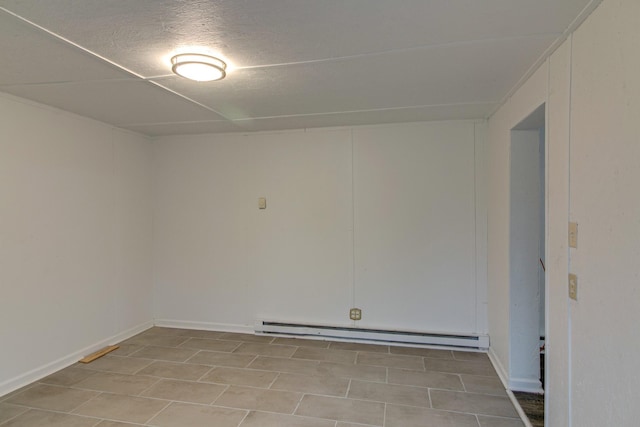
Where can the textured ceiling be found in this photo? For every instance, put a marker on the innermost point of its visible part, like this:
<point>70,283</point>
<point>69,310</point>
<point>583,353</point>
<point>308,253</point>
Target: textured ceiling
<point>293,63</point>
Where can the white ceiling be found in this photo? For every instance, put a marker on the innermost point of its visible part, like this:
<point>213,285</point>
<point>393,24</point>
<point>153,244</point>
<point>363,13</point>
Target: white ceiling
<point>296,63</point>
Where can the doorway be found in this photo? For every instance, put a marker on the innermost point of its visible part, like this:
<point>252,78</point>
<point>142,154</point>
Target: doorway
<point>527,254</point>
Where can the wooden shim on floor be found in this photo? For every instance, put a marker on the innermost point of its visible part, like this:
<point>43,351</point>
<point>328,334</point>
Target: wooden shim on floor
<point>98,354</point>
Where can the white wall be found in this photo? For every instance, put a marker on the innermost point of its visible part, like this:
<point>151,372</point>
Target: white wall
<point>379,217</point>
<point>592,92</point>
<point>75,237</point>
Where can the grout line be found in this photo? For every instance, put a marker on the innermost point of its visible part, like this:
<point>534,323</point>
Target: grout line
<point>158,413</point>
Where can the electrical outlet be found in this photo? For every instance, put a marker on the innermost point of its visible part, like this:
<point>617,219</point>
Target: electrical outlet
<point>573,287</point>
<point>262,203</point>
<point>355,314</point>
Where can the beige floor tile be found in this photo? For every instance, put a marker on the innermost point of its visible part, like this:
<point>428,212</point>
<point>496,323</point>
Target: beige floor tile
<point>328,355</point>
<point>54,398</point>
<point>188,415</point>
<point>15,392</point>
<point>425,379</point>
<point>107,423</point>
<point>177,371</point>
<point>122,408</point>
<point>157,340</point>
<point>340,409</point>
<point>258,399</point>
<point>211,345</point>
<point>36,418</point>
<point>214,358</point>
<point>409,416</point>
<point>210,335</point>
<point>473,356</point>
<point>67,377</point>
<point>246,337</point>
<point>485,385</point>
<point>117,383</point>
<point>185,391</point>
<point>265,419</point>
<point>161,330</point>
<point>126,349</point>
<point>328,386</point>
<point>354,346</point>
<point>342,424</point>
<point>391,361</point>
<point>171,354</point>
<point>300,342</point>
<point>389,393</point>
<point>292,366</point>
<point>117,364</point>
<point>473,403</point>
<point>360,372</point>
<point>460,367</point>
<point>424,352</point>
<point>265,349</point>
<point>499,422</point>
<point>8,411</point>
<point>243,377</point>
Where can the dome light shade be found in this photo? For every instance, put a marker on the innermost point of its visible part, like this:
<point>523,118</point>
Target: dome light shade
<point>198,67</point>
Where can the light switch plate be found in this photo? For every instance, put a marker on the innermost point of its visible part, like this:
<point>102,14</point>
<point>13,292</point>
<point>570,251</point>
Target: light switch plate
<point>573,234</point>
<point>355,314</point>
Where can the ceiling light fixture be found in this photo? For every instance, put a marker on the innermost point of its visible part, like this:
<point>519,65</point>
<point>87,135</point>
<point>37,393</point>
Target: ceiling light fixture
<point>198,67</point>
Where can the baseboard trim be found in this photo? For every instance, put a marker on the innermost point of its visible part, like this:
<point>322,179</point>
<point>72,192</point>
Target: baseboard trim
<point>61,363</point>
<point>497,365</point>
<point>526,385</point>
<point>519,409</point>
<point>205,326</point>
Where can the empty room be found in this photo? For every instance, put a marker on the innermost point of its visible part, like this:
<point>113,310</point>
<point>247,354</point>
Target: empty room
<point>336,213</point>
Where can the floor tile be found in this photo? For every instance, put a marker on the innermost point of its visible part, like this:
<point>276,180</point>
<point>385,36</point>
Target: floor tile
<point>54,398</point>
<point>178,371</point>
<point>328,386</point>
<point>106,423</point>
<point>122,408</point>
<point>340,409</point>
<point>460,367</point>
<point>15,392</point>
<point>117,383</point>
<point>157,340</point>
<point>171,354</point>
<point>8,411</point>
<point>36,418</point>
<point>188,415</point>
<point>499,422</point>
<point>409,416</point>
<point>485,385</point>
<point>162,330</point>
<point>360,372</point>
<point>265,349</point>
<point>265,419</point>
<point>293,366</point>
<point>126,349</point>
<point>473,403</point>
<point>342,424</point>
<point>117,364</point>
<point>389,393</point>
<point>258,399</point>
<point>391,361</point>
<point>185,391</point>
<point>328,355</point>
<point>354,346</point>
<point>211,345</point>
<point>300,342</point>
<point>425,379</point>
<point>210,335</point>
<point>214,358</point>
<point>243,377</point>
<point>246,337</point>
<point>423,352</point>
<point>67,377</point>
<point>473,356</point>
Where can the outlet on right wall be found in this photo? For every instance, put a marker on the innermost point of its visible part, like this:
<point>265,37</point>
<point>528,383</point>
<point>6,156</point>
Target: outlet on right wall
<point>591,88</point>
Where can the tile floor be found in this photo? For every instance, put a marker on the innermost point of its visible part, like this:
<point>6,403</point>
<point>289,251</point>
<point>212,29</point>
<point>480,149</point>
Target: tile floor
<point>175,377</point>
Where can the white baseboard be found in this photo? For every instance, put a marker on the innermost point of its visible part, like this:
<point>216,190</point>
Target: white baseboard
<point>48,369</point>
<point>526,385</point>
<point>519,409</point>
<point>497,365</point>
<point>205,326</point>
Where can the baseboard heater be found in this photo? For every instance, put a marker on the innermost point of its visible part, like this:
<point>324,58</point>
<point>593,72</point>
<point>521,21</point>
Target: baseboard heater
<point>383,336</point>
